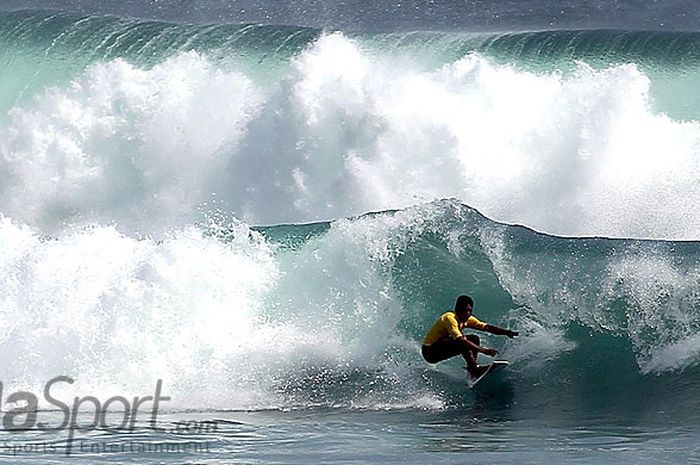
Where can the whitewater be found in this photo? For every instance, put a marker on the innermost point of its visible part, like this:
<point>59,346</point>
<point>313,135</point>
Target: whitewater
<point>146,123</point>
<point>268,218</point>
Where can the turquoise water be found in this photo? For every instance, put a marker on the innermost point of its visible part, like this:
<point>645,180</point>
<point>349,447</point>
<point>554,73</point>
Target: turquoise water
<point>268,218</point>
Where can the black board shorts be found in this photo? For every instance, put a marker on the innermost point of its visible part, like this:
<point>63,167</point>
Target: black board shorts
<point>441,350</point>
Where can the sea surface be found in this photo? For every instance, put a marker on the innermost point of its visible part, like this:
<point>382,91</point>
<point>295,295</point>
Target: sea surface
<point>263,214</point>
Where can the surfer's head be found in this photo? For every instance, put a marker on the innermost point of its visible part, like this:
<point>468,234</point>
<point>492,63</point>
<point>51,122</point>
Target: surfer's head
<point>464,307</point>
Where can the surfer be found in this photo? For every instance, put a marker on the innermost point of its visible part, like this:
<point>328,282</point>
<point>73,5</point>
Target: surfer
<point>445,339</point>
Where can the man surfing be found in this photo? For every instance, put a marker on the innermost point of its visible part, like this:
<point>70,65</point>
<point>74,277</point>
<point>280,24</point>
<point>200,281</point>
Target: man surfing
<point>445,339</point>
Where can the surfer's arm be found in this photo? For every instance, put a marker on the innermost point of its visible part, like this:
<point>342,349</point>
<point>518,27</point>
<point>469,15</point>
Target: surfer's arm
<point>478,348</point>
<point>498,331</point>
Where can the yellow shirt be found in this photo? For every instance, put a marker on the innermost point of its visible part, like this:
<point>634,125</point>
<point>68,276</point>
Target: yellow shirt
<point>447,326</point>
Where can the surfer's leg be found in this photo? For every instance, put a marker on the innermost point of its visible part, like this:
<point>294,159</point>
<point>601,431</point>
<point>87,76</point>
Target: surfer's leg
<point>470,354</point>
<point>441,350</point>
<point>448,348</point>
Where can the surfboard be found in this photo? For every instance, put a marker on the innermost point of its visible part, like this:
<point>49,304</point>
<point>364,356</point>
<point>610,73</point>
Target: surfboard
<point>496,366</point>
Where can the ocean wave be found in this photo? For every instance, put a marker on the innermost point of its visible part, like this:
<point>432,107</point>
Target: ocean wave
<point>332,314</point>
<point>342,131</point>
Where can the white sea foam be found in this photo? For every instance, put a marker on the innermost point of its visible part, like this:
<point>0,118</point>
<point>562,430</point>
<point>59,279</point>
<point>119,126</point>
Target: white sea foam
<point>139,148</point>
<point>661,302</point>
<point>235,324</point>
<point>347,131</point>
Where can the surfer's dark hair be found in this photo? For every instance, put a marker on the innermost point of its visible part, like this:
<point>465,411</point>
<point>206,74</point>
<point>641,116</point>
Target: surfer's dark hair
<point>462,302</point>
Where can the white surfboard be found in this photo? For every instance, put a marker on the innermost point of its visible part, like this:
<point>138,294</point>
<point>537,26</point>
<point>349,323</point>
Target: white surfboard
<point>496,366</point>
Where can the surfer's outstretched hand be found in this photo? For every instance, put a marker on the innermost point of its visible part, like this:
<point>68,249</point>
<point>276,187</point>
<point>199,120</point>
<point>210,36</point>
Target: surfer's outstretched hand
<point>490,352</point>
<point>512,334</point>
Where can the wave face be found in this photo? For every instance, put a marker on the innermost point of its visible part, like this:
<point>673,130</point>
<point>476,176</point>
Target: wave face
<point>146,124</point>
<point>331,314</point>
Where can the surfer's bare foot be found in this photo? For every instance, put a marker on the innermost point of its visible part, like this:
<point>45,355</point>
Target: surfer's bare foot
<point>478,371</point>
